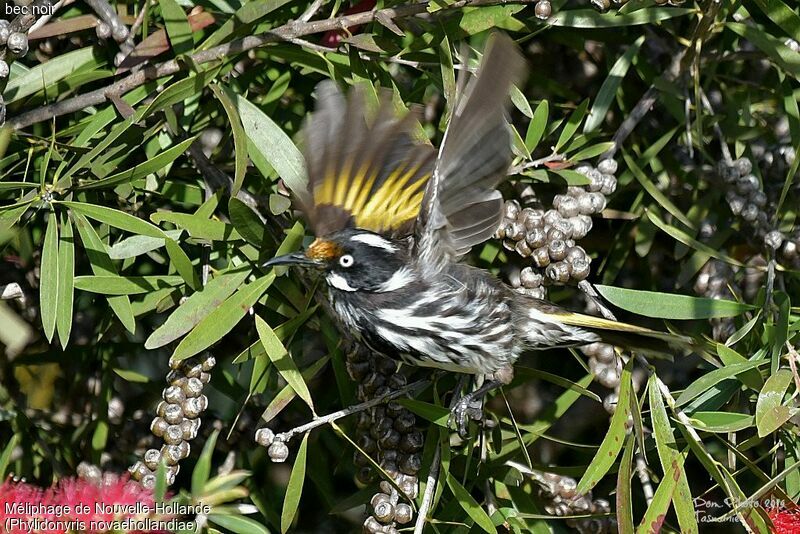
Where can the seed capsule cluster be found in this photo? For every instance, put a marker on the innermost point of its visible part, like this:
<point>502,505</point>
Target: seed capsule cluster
<point>178,418</point>
<point>15,43</point>
<point>390,436</point>
<point>548,237</point>
<point>562,499</point>
<point>543,9</point>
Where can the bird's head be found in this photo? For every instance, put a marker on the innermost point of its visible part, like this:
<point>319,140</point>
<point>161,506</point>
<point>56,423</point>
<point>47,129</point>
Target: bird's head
<point>355,260</point>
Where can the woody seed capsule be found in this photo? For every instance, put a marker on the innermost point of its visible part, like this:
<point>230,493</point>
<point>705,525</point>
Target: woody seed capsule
<point>541,257</point>
<point>158,426</point>
<point>536,237</point>
<point>189,427</point>
<point>174,395</point>
<point>607,166</point>
<point>152,458</point>
<point>173,414</point>
<point>173,435</point>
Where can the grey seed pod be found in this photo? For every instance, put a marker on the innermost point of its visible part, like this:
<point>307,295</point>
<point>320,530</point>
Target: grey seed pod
<point>508,244</point>
<point>522,248</point>
<point>278,452</point>
<point>575,253</point>
<point>534,219</point>
<point>609,377</point>
<point>383,512</point>
<point>379,429</point>
<point>581,225</point>
<point>558,199</point>
<point>173,435</point>
<point>607,166</point>
<point>208,361</point>
<point>558,272</point>
<point>403,513</point>
<point>743,166</point>
<point>736,204</point>
<point>500,233</point>
<point>193,371</point>
<point>5,31</point>
<point>566,487</point>
<point>541,257</point>
<point>139,470</point>
<point>103,30</point>
<point>515,231</point>
<point>373,382</point>
<point>411,464</point>
<point>175,378</point>
<point>409,487</point>
<point>380,498</point>
<point>174,363</point>
<point>388,457</point>
<point>596,180</point>
<point>372,526</point>
<point>193,387</point>
<point>120,33</point>
<point>4,70</point>
<point>605,353</point>
<point>17,44</point>
<point>394,409</point>
<point>161,408</point>
<point>536,238</point>
<point>173,395</point>
<point>585,203</point>
<point>557,249</point>
<point>530,278</point>
<point>158,426</point>
<point>562,509</point>
<point>152,457</point>
<point>551,216</point>
<point>512,209</point>
<point>390,440</point>
<point>149,481</point>
<point>357,370</point>
<point>173,414</point>
<point>583,168</point>
<point>789,249</point>
<point>365,475</point>
<point>750,212</point>
<point>774,239</point>
<point>543,9</point>
<point>361,460</point>
<point>609,184</point>
<point>554,234</point>
<point>598,202</point>
<point>569,207</point>
<point>386,486</point>
<point>367,444</point>
<point>412,442</point>
<point>591,349</point>
<point>610,402</point>
<point>190,427</point>
<point>194,407</point>
<point>759,198</point>
<point>747,184</point>
<point>397,380</point>
<point>582,504</point>
<point>405,422</point>
<point>563,226</point>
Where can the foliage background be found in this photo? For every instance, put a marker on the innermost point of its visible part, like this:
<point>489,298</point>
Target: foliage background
<point>178,187</point>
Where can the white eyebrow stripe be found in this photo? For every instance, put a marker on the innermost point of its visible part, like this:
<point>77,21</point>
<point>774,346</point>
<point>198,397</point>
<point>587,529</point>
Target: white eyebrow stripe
<point>374,240</point>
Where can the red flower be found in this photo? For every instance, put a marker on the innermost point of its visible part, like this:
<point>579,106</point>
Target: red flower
<point>331,38</point>
<point>785,521</point>
<point>76,505</point>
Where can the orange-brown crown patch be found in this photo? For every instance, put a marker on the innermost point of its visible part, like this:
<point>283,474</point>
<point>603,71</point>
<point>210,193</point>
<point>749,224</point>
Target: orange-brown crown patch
<point>323,250</point>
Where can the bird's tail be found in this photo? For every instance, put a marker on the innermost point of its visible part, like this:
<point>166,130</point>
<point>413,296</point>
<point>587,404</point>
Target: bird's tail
<point>626,335</point>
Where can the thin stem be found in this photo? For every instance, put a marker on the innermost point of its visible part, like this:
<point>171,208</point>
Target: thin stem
<point>555,156</point>
<point>644,479</point>
<point>350,410</point>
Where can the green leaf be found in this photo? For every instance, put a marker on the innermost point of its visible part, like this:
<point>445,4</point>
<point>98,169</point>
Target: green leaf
<point>624,505</point>
<point>283,362</point>
<point>197,307</point>
<point>272,144</point>
<point>178,28</point>
<point>182,263</point>
<point>592,151</point>
<point>141,170</point>
<point>5,457</point>
<point>102,265</point>
<point>783,56</point>
<point>614,439</point>
<point>520,102</point>
<point>537,126</point>
<point>66,277</point>
<point>654,192</point>
<point>125,285</point>
<point>712,378</point>
<point>470,505</point>
<point>247,14</point>
<point>605,96</point>
<point>198,226</point>
<point>48,291</point>
<point>657,511</point>
<point>202,469</point>
<point>239,139</point>
<point>771,413</point>
<point>246,222</point>
<point>670,306</point>
<point>590,18</point>
<point>180,91</point>
<point>667,453</point>
<point>238,524</point>
<point>438,415</point>
<point>116,218</point>
<point>721,421</point>
<point>294,489</point>
<point>572,124</point>
<point>222,319</point>
<point>782,15</point>
<point>48,73</point>
<point>688,240</point>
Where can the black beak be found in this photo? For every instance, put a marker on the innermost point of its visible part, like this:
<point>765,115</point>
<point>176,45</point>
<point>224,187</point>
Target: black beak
<point>295,258</point>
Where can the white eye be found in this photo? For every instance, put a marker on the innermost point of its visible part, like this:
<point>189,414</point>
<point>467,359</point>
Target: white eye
<point>346,260</point>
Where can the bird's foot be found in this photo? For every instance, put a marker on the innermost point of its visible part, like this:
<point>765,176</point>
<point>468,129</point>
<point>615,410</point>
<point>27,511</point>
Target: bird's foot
<point>466,409</point>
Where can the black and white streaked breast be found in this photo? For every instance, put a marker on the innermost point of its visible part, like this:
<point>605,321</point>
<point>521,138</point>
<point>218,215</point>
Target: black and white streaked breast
<point>458,320</point>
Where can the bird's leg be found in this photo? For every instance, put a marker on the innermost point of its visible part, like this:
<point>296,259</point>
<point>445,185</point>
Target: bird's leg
<point>470,405</point>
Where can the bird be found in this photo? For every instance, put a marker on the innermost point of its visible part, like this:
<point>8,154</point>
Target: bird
<point>393,220</point>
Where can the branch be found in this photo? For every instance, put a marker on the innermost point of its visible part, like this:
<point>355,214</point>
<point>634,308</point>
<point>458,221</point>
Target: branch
<point>350,410</point>
<point>516,169</point>
<point>287,32</point>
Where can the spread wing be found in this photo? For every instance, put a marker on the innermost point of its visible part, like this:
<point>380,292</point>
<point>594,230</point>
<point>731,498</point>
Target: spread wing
<point>362,173</point>
<point>461,207</point>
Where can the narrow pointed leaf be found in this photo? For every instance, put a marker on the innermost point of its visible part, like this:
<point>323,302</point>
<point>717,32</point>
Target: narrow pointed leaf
<point>283,362</point>
<point>295,488</point>
<point>66,279</point>
<point>48,290</point>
